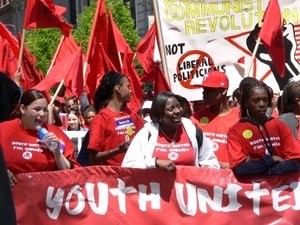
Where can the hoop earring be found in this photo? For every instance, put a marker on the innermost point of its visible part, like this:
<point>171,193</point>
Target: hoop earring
<point>247,112</point>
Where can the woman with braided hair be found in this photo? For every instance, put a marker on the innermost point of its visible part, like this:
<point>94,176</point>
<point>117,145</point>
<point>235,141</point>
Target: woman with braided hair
<point>259,144</point>
<point>115,125</point>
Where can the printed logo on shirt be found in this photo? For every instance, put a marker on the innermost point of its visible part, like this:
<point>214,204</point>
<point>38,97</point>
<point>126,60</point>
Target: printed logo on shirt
<point>123,123</point>
<point>129,131</point>
<point>215,146</point>
<point>173,156</point>
<point>247,134</point>
<point>27,155</point>
<point>204,120</point>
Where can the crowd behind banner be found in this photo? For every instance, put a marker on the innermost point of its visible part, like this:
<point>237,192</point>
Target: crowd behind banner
<point>201,152</point>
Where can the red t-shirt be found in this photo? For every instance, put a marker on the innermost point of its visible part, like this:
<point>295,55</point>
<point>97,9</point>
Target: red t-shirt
<point>215,128</point>
<point>181,152</point>
<point>246,139</point>
<point>24,154</point>
<point>110,129</point>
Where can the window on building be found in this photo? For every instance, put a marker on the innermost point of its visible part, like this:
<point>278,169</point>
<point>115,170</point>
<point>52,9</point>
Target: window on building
<point>3,3</point>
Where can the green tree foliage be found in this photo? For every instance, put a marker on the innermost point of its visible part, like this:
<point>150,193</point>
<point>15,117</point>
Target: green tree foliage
<point>42,43</point>
<point>122,16</point>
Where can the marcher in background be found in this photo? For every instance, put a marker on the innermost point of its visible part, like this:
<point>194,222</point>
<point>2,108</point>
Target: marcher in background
<point>259,144</point>
<point>18,138</point>
<point>198,105</point>
<point>217,117</point>
<point>169,140</point>
<point>55,115</point>
<point>115,125</point>
<point>186,107</point>
<point>88,114</point>
<point>72,103</point>
<point>74,121</point>
<point>145,111</point>
<point>291,106</point>
<point>235,98</point>
<point>272,109</point>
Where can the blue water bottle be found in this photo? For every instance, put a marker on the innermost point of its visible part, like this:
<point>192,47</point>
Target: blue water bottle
<point>52,145</point>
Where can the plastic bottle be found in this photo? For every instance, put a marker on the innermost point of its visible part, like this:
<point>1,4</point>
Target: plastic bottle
<point>52,145</point>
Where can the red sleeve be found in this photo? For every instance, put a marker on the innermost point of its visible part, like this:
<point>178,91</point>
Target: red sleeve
<point>68,144</point>
<point>97,130</point>
<point>234,148</point>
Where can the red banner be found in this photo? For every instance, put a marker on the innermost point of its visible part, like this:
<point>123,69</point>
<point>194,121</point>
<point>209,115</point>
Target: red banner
<point>115,195</point>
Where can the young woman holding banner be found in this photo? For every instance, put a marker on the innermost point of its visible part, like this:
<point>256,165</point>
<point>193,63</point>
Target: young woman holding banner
<point>22,149</point>
<point>169,140</point>
<point>259,144</point>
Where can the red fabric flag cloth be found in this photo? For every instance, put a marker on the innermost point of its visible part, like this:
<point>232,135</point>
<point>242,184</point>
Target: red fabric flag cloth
<point>9,51</point>
<point>30,75</point>
<point>161,84</point>
<point>12,40</point>
<point>94,56</point>
<point>69,69</point>
<point>137,91</point>
<point>101,66</point>
<point>271,35</point>
<point>45,14</point>
<point>66,47</point>
<point>145,54</point>
<point>8,61</point>
<point>117,45</point>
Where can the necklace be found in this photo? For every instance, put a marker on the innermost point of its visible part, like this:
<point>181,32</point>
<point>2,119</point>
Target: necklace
<point>169,139</point>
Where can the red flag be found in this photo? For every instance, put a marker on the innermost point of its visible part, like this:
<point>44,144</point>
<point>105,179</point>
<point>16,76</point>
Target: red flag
<point>45,14</point>
<point>271,35</point>
<point>98,32</point>
<point>69,69</point>
<point>145,54</point>
<point>12,40</point>
<point>103,64</point>
<point>117,45</point>
<point>9,51</point>
<point>8,61</point>
<point>137,91</point>
<point>161,84</point>
<point>30,75</point>
<point>66,47</point>
<point>94,56</point>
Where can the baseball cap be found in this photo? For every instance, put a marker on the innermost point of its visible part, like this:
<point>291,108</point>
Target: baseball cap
<point>215,79</point>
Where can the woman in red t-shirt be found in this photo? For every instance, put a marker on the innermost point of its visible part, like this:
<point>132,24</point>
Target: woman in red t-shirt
<point>259,144</point>
<point>115,125</point>
<point>23,151</point>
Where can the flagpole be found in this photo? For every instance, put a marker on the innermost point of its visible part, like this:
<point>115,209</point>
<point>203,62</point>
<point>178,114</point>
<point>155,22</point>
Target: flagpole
<point>57,91</point>
<point>55,55</point>
<point>20,57</point>
<point>252,57</point>
<point>120,59</point>
<point>160,40</point>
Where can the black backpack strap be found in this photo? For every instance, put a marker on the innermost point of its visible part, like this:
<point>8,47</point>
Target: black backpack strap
<point>199,137</point>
